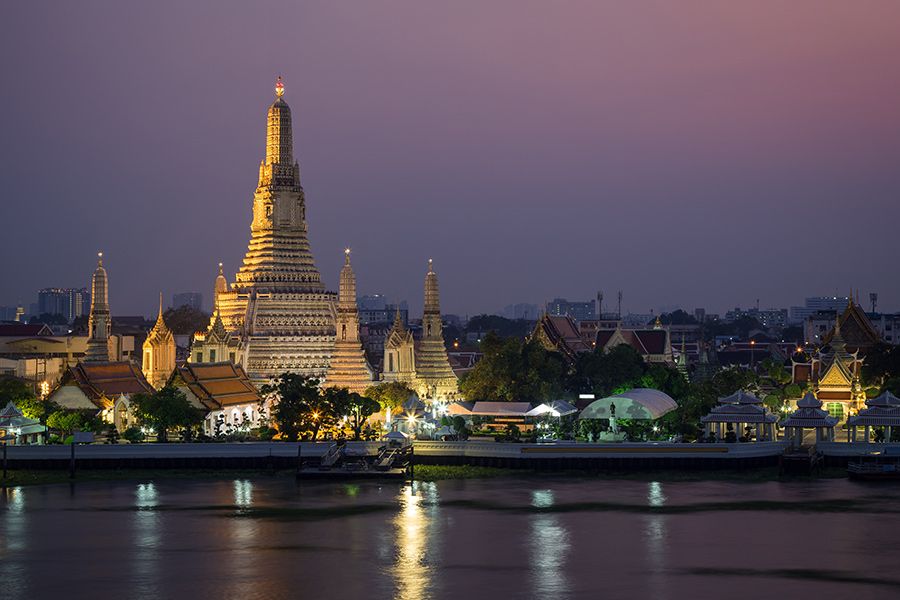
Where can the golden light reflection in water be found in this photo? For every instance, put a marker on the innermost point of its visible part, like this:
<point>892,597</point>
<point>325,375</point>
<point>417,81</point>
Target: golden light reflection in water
<point>549,549</point>
<point>146,541</point>
<point>243,536</point>
<point>412,570</point>
<point>655,540</point>
<point>13,543</point>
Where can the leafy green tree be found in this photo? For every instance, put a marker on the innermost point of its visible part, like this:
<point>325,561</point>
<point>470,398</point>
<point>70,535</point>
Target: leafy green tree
<point>298,409</point>
<point>17,391</point>
<point>185,320</point>
<point>133,435</point>
<point>65,421</point>
<point>515,370</point>
<point>389,395</point>
<point>356,408</point>
<point>165,410</point>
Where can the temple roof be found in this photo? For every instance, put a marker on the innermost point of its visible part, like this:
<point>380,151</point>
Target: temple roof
<point>876,415</point>
<point>739,413</point>
<point>740,397</point>
<point>645,341</point>
<point>217,385</point>
<point>853,328</point>
<point>809,414</point>
<point>99,380</point>
<point>560,333</point>
<point>24,330</point>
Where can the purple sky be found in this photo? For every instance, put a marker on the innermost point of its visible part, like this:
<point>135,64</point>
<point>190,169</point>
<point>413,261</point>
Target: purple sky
<point>688,153</point>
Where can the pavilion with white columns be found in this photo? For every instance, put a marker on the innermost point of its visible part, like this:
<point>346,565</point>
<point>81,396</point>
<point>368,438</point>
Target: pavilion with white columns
<point>809,415</point>
<point>883,411</point>
<point>737,412</point>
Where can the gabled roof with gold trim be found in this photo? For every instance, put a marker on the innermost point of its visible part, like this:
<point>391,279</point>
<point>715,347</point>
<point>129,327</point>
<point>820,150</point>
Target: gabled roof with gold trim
<point>216,385</point>
<point>855,328</point>
<point>838,375</point>
<point>103,382</point>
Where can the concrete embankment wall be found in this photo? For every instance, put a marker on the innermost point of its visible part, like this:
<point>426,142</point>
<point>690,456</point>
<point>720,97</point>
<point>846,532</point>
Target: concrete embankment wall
<point>286,455</point>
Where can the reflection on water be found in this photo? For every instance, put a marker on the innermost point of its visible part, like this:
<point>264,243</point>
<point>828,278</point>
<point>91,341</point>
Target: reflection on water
<point>655,536</point>
<point>415,529</point>
<point>274,539</point>
<point>12,542</point>
<point>146,541</point>
<point>242,534</point>
<point>548,549</point>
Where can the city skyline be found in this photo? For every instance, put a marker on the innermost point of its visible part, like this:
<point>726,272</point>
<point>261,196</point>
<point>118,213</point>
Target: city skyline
<point>714,168</point>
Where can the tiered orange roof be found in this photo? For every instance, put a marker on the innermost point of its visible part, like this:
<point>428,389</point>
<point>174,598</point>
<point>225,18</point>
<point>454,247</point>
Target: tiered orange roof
<point>217,385</point>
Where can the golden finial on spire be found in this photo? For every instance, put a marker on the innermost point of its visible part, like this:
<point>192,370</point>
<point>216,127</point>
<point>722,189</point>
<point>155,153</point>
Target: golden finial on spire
<point>279,87</point>
<point>220,269</point>
<point>99,259</point>
<point>346,256</point>
<point>430,265</point>
<point>160,305</point>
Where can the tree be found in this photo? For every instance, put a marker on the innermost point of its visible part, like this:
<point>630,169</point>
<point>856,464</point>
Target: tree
<point>165,409</point>
<point>356,408</point>
<point>65,421</point>
<point>186,320</point>
<point>297,406</point>
<point>515,370</point>
<point>389,395</point>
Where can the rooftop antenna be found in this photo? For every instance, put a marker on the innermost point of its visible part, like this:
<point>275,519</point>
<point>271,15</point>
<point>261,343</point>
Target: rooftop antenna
<point>599,305</point>
<point>873,298</point>
<point>619,309</point>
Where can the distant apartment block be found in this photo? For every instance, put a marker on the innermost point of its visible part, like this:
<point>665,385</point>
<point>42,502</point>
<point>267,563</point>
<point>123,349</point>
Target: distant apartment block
<point>70,303</point>
<point>580,311</point>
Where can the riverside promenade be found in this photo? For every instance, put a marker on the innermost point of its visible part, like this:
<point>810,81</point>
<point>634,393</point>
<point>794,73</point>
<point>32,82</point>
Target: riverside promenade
<point>282,455</point>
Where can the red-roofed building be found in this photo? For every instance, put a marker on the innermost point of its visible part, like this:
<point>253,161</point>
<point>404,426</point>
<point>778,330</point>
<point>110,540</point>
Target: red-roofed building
<point>106,387</point>
<point>653,345</point>
<point>560,334</point>
<point>224,390</point>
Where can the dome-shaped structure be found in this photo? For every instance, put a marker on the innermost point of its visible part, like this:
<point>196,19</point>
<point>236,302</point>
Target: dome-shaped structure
<point>639,403</point>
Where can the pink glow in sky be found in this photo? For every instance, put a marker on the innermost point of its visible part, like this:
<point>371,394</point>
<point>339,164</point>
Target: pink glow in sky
<point>688,153</point>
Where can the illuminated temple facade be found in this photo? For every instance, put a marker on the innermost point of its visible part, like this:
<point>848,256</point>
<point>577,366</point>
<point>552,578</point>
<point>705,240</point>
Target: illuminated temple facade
<point>277,315</point>
<point>348,368</point>
<point>833,371</point>
<point>423,366</point>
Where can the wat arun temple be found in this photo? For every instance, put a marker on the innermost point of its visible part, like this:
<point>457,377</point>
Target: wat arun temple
<point>277,316</point>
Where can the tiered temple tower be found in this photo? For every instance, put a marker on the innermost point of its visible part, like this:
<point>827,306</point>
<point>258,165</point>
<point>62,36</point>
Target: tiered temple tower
<point>100,321</point>
<point>435,378</point>
<point>348,368</point>
<point>277,308</point>
<point>399,354</point>
<point>159,352</point>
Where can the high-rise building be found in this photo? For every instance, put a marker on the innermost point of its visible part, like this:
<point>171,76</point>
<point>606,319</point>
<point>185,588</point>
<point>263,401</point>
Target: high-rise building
<point>560,307</point>
<point>192,299</point>
<point>70,303</point>
<point>814,304</point>
<point>277,308</point>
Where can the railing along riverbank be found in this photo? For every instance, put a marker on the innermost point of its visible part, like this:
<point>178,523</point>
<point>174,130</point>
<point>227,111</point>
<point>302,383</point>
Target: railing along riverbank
<point>282,455</point>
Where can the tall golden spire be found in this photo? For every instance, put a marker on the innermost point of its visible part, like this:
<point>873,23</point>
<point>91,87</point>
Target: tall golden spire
<point>99,321</point>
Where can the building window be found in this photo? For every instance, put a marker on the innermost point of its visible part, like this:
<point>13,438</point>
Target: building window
<point>198,357</point>
<point>231,356</point>
<point>212,356</point>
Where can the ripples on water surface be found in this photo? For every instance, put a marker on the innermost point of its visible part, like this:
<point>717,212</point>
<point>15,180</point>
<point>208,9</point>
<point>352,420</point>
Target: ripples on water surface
<point>270,538</point>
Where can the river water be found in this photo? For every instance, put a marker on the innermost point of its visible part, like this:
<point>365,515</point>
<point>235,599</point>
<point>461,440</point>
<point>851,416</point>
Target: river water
<point>546,538</point>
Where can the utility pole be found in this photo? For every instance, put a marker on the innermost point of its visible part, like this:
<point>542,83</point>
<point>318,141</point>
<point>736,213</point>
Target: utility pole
<point>619,310</point>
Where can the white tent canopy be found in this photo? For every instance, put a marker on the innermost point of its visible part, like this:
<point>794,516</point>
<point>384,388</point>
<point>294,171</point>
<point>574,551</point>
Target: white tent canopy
<point>643,404</point>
